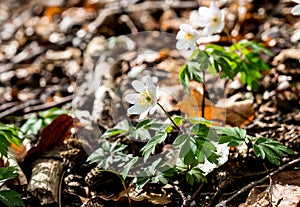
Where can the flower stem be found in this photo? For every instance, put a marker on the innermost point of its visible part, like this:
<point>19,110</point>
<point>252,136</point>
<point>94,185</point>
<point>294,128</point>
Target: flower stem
<point>169,117</point>
<point>229,38</point>
<point>204,94</point>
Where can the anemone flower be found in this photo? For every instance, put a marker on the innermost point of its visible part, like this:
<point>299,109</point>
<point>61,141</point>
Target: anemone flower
<point>187,37</point>
<point>212,19</point>
<point>145,100</point>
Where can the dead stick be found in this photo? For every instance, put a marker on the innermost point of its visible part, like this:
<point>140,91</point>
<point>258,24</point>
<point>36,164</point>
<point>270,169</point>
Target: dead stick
<point>18,108</point>
<point>48,105</point>
<point>153,5</point>
<point>252,184</point>
<point>30,106</point>
<point>190,199</point>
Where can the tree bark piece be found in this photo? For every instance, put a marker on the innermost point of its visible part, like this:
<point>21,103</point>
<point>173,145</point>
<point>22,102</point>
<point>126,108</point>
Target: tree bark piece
<point>45,180</point>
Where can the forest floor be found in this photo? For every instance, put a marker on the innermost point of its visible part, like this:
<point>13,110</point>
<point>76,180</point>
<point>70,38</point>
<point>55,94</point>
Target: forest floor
<point>57,54</point>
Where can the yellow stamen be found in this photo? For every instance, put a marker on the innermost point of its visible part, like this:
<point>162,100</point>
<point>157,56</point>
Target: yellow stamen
<point>188,36</point>
<point>145,98</point>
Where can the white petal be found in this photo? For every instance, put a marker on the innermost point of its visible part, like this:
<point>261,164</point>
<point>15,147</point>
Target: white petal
<point>154,95</point>
<point>208,31</point>
<point>186,28</point>
<point>152,110</point>
<point>136,109</point>
<point>204,21</point>
<point>132,98</point>
<point>296,10</point>
<point>138,85</point>
<point>149,82</point>
<point>214,9</point>
<point>220,27</point>
<point>182,45</point>
<point>143,115</point>
<point>204,11</point>
<point>180,35</point>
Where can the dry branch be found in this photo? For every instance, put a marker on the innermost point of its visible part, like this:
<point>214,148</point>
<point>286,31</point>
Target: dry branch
<point>252,184</point>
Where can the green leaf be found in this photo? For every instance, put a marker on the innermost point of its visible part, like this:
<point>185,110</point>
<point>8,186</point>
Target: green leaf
<point>180,140</point>
<point>8,134</point>
<point>234,136</point>
<point>206,149</point>
<point>184,78</point>
<point>195,175</point>
<point>128,166</point>
<point>121,127</point>
<point>7,173</point>
<point>200,120</point>
<point>4,144</point>
<point>35,124</point>
<point>11,198</point>
<point>270,149</point>
<point>178,120</point>
<point>149,148</point>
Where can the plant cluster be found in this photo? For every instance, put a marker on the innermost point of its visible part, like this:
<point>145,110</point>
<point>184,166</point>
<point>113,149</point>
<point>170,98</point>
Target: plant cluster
<point>9,134</point>
<point>193,141</point>
<point>12,135</point>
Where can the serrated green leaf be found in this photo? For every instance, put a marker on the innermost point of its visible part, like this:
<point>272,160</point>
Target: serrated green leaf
<point>11,198</point>
<point>149,148</point>
<point>184,77</point>
<point>180,140</point>
<point>270,149</point>
<point>199,120</point>
<point>128,166</point>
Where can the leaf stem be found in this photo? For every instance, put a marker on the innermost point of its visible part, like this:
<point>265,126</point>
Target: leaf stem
<point>169,117</point>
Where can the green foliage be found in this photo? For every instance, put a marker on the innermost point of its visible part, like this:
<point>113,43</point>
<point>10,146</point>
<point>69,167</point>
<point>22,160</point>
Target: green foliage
<point>11,198</point>
<point>149,148</point>
<point>139,132</point>
<point>108,154</point>
<point>7,173</point>
<point>195,175</point>
<point>270,149</point>
<point>120,128</point>
<point>158,171</point>
<point>234,136</point>
<point>36,123</point>
<point>242,57</point>
<point>9,134</point>
<point>195,147</point>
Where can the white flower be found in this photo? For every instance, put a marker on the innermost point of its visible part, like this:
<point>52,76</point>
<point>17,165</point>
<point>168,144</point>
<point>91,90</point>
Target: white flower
<point>187,37</point>
<point>296,9</point>
<point>145,100</point>
<point>212,19</point>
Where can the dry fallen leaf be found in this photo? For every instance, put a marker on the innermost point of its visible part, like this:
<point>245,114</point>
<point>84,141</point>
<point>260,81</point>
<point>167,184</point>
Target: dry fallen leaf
<point>192,106</point>
<point>52,135</point>
<point>275,195</point>
<point>239,113</point>
<point>236,113</point>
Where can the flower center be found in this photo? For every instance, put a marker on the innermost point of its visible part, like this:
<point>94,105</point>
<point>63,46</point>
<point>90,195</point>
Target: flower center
<point>188,36</point>
<point>145,98</point>
<point>215,19</point>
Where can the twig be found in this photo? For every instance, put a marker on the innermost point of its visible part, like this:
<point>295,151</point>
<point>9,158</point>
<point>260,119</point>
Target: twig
<point>31,106</point>
<point>152,5</point>
<point>189,200</point>
<point>184,198</point>
<point>252,184</point>
<point>18,108</point>
<point>50,105</point>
